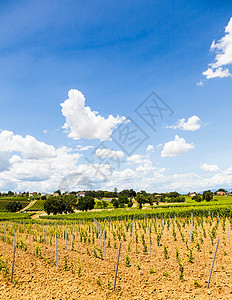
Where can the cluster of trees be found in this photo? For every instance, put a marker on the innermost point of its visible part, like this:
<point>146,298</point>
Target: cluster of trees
<point>67,204</point>
<point>121,202</point>
<point>206,196</point>
<point>58,205</point>
<point>106,194</point>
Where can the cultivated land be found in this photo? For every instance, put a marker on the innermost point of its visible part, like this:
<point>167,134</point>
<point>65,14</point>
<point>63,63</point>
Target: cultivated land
<point>182,239</point>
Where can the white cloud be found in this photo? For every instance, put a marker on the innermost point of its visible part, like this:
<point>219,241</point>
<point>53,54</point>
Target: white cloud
<point>176,147</point>
<point>219,72</point>
<point>209,168</point>
<point>82,122</point>
<point>146,168</point>
<point>107,153</point>
<point>193,123</point>
<point>150,148</point>
<point>223,48</point>
<point>84,148</point>
<point>136,159</point>
<point>29,147</point>
<point>31,164</point>
<point>200,83</point>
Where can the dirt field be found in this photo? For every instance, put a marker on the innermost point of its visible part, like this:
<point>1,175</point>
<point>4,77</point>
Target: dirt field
<point>83,274</point>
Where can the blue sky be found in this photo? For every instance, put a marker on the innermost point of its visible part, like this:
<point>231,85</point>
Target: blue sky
<point>114,54</point>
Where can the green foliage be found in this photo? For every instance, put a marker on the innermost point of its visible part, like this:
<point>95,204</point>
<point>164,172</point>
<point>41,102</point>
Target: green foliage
<point>127,261</point>
<point>181,270</point>
<point>141,199</point>
<point>144,244</point>
<point>85,203</point>
<point>38,206</point>
<point>207,195</point>
<point>166,252</point>
<point>59,205</point>
<point>14,206</point>
<point>197,198</point>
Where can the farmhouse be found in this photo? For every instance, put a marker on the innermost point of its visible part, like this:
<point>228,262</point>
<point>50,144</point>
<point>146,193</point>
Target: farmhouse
<point>32,194</point>
<point>220,193</point>
<point>80,194</point>
<point>192,194</point>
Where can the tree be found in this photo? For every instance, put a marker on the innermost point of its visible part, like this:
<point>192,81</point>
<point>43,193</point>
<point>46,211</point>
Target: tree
<point>53,205</point>
<point>130,203</point>
<point>207,195</point>
<point>150,199</point>
<point>114,202</point>
<point>141,199</point>
<point>222,190</point>
<point>197,198</point>
<point>85,203</point>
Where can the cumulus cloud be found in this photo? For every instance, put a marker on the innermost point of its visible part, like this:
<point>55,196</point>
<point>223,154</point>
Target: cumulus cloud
<point>82,122</point>
<point>31,164</point>
<point>176,147</point>
<point>29,147</point>
<point>108,153</point>
<point>219,72</point>
<point>223,49</point>
<point>150,148</point>
<point>192,124</point>
<point>135,158</point>
<point>209,168</point>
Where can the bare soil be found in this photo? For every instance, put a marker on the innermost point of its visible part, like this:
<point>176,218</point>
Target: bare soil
<point>148,276</point>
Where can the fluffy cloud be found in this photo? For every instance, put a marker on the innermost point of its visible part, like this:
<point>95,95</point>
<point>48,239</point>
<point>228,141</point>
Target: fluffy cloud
<point>223,48</point>
<point>108,153</point>
<point>193,123</point>
<point>31,164</point>
<point>150,148</point>
<point>219,72</point>
<point>176,147</point>
<point>82,122</point>
<point>209,168</point>
<point>29,147</point>
<point>136,159</point>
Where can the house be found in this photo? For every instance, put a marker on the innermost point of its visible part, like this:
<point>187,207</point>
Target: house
<point>220,193</point>
<point>192,194</point>
<point>56,194</point>
<point>80,194</point>
<point>32,194</point>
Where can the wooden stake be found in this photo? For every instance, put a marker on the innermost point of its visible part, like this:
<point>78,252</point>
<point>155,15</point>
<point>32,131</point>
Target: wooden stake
<point>116,271</point>
<point>12,269</point>
<point>56,249</point>
<point>104,245</point>
<point>228,232</point>
<point>211,269</point>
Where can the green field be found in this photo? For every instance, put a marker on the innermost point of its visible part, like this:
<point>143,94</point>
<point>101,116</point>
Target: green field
<point>38,206</point>
<point>219,205</point>
<point>5,200</point>
<point>5,216</point>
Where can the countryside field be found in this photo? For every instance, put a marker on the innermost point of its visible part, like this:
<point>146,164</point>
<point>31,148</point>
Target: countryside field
<point>163,255</point>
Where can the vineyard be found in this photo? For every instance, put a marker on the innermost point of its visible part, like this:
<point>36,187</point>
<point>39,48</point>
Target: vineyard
<point>161,257</point>
<point>4,201</point>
